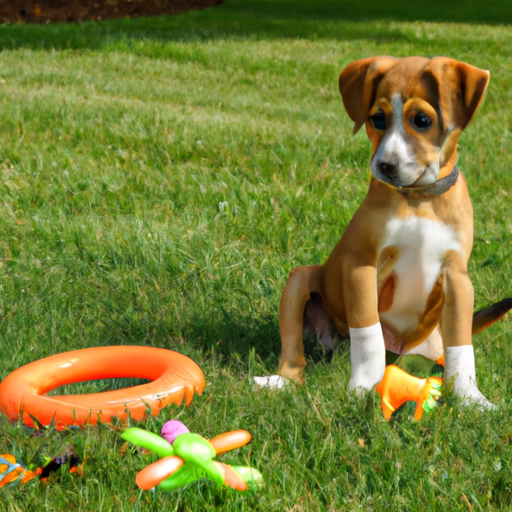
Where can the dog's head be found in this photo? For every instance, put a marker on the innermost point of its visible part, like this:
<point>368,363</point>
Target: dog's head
<point>414,110</point>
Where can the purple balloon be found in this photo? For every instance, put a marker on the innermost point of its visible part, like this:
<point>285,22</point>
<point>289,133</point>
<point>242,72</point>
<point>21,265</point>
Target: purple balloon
<point>172,429</point>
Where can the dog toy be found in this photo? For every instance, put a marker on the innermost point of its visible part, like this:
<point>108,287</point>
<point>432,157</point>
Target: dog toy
<point>25,391</point>
<point>13,471</point>
<point>397,387</point>
<point>188,457</point>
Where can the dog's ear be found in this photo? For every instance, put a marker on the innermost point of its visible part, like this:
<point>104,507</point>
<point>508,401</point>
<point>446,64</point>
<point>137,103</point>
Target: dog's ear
<point>460,89</point>
<point>358,83</point>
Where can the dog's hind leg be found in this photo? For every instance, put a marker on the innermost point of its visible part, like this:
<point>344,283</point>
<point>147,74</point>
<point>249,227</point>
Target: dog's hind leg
<point>302,282</point>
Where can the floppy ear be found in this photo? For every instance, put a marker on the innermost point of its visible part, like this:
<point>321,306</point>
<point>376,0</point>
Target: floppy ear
<point>461,89</point>
<point>358,83</point>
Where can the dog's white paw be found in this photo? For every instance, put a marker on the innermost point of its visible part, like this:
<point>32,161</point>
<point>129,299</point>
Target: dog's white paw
<point>459,372</point>
<point>358,391</point>
<point>271,382</point>
<point>367,358</point>
<point>472,396</point>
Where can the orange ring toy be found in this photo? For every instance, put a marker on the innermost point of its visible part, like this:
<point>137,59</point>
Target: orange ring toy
<point>173,377</point>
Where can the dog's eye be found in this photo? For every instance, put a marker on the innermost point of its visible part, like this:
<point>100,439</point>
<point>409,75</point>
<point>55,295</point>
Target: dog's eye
<point>379,120</point>
<point>421,121</point>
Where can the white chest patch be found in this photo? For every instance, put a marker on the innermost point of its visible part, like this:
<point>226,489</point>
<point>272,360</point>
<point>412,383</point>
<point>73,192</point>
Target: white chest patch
<point>420,247</point>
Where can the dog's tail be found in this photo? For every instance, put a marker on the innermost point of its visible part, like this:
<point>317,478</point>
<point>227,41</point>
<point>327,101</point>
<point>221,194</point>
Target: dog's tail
<point>487,316</point>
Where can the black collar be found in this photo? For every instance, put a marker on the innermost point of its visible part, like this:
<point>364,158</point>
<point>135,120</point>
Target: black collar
<point>433,190</point>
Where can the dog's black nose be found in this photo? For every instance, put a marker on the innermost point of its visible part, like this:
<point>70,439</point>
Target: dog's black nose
<point>387,169</point>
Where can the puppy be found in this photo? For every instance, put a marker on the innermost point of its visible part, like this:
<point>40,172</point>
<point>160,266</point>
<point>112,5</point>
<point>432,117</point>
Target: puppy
<point>398,279</point>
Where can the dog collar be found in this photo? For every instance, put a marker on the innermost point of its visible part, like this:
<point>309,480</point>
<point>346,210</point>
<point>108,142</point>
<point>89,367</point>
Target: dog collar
<point>433,190</point>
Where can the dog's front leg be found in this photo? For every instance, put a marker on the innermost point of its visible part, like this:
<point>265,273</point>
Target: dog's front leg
<point>456,320</point>
<point>367,348</point>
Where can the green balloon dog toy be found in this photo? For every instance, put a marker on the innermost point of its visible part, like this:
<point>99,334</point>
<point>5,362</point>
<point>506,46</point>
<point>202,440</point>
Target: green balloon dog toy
<point>187,457</point>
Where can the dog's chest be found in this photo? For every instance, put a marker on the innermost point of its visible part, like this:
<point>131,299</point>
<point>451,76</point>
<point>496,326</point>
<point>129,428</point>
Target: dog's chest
<point>410,264</point>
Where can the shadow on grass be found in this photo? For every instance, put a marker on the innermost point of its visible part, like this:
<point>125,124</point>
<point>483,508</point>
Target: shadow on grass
<point>257,19</point>
<point>228,333</point>
<point>234,334</point>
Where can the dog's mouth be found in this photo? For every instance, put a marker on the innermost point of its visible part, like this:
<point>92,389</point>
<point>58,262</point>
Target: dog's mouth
<point>421,186</point>
<point>398,182</point>
<point>427,178</point>
<point>436,188</point>
<point>400,174</point>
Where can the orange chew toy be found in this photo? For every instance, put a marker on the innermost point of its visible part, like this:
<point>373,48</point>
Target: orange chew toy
<point>24,391</point>
<point>398,387</point>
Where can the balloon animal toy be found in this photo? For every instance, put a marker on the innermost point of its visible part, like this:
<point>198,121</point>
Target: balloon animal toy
<point>397,387</point>
<point>401,384</point>
<point>188,457</point>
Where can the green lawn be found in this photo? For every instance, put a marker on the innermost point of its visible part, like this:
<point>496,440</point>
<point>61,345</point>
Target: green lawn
<point>159,180</point>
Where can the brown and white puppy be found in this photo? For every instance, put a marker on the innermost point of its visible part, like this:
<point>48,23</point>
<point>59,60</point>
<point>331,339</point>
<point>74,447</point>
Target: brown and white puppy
<point>398,278</point>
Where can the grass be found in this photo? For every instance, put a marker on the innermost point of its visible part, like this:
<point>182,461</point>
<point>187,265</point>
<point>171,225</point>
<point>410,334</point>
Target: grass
<point>161,177</point>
